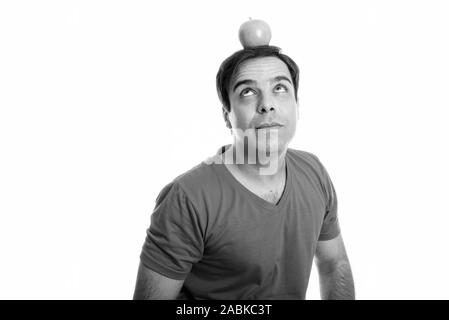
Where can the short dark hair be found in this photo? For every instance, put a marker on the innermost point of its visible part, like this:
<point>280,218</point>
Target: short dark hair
<point>232,63</point>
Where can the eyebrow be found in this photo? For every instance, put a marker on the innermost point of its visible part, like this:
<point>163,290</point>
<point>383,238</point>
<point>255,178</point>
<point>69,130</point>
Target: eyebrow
<point>249,81</point>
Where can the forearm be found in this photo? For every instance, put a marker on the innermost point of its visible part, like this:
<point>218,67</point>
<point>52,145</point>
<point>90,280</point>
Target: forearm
<point>336,281</point>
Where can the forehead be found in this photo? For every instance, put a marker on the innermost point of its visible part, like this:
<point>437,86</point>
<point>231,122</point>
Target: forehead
<point>260,69</point>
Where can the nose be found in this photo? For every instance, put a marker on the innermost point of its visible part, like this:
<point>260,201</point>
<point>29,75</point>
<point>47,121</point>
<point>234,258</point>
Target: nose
<point>265,105</point>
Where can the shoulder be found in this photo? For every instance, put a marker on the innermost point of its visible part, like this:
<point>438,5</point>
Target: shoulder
<point>305,160</point>
<point>301,154</point>
<point>307,164</point>
<point>200,176</point>
<point>192,194</point>
<point>199,184</point>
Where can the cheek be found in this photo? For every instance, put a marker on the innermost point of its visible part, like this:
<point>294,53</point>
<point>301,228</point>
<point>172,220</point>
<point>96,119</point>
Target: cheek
<point>286,101</point>
<point>290,118</point>
<point>241,118</point>
<point>289,108</point>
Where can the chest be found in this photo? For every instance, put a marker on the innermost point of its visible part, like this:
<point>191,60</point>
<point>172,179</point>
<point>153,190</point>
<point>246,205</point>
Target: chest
<point>268,191</point>
<point>253,242</point>
<point>271,193</point>
<point>245,231</point>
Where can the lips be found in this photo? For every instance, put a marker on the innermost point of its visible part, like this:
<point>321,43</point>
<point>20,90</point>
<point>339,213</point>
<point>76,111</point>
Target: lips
<point>269,125</point>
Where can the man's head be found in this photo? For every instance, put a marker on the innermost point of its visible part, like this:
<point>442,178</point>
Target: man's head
<point>258,86</point>
<point>232,64</point>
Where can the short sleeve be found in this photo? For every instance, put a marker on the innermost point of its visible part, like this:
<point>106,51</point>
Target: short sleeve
<point>330,227</point>
<point>174,240</point>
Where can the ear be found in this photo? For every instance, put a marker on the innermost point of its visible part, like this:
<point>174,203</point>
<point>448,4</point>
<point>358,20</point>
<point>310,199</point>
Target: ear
<point>226,118</point>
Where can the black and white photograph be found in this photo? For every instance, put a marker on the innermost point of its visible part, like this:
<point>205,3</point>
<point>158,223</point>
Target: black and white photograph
<point>238,150</point>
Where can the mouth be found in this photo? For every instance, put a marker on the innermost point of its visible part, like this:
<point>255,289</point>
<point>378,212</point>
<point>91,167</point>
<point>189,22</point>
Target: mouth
<point>271,125</point>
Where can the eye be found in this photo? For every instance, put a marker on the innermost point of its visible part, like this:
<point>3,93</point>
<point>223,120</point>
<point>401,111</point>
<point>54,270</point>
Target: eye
<point>281,87</point>
<point>246,92</point>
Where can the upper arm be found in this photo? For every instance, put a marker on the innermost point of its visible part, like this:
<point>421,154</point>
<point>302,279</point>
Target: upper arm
<point>330,253</point>
<point>175,238</point>
<point>330,226</point>
<point>152,285</point>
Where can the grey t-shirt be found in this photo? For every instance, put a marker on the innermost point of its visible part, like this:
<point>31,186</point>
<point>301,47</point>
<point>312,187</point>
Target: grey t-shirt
<point>228,243</point>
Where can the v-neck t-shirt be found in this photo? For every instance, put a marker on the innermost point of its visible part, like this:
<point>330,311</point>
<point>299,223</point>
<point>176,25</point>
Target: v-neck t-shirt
<point>226,242</point>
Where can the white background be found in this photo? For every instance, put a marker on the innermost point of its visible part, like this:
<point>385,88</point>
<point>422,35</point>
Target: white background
<point>102,103</point>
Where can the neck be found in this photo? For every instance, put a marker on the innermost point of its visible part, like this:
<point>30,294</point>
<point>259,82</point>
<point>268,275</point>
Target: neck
<point>258,167</point>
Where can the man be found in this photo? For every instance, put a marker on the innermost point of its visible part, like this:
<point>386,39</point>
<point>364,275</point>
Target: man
<point>223,230</point>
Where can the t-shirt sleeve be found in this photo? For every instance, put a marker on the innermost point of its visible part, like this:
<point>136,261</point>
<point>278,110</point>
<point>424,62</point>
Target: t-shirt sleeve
<point>330,227</point>
<point>174,240</point>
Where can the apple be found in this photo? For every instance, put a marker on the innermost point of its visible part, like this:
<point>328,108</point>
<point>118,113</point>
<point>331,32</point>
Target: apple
<point>254,33</point>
